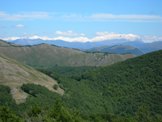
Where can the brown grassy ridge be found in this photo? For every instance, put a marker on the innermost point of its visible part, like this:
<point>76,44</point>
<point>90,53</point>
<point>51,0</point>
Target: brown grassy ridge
<point>44,55</point>
<point>14,75</point>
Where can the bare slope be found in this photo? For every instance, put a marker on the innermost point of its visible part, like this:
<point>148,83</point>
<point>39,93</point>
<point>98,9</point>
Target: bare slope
<point>46,55</point>
<point>14,75</point>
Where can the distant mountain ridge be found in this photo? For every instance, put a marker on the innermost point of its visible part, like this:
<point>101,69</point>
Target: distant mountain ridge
<point>45,55</point>
<point>144,47</point>
<point>117,49</point>
<point>62,43</point>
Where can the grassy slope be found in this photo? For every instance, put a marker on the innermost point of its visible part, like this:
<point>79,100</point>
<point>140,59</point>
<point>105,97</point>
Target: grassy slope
<point>14,75</point>
<point>46,56</point>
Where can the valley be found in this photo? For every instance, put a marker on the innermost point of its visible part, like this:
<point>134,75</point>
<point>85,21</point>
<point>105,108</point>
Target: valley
<point>116,92</point>
<point>81,61</point>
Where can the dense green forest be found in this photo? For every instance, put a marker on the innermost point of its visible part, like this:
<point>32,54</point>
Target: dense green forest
<point>129,91</point>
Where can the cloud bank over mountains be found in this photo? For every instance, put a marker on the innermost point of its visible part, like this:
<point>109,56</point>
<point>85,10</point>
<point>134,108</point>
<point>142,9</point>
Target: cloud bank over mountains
<point>71,36</point>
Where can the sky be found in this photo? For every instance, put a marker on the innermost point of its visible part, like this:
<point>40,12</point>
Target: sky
<point>81,20</point>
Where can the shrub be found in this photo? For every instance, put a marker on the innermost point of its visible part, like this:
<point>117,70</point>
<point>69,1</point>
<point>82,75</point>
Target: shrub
<point>55,86</point>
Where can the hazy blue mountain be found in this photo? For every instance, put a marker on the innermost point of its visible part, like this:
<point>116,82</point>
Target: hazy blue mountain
<point>62,43</point>
<point>27,41</point>
<point>149,47</point>
<point>144,47</point>
<point>118,49</point>
<point>137,43</point>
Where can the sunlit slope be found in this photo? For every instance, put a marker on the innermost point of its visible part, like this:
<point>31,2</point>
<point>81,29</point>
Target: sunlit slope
<point>46,55</point>
<point>14,75</point>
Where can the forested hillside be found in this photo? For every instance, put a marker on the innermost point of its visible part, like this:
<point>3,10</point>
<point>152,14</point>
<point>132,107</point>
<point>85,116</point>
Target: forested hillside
<point>126,91</point>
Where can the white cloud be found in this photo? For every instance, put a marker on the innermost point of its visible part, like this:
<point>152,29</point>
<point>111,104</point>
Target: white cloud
<point>20,26</point>
<point>73,39</point>
<point>68,33</point>
<point>113,17</point>
<point>80,17</point>
<point>23,15</point>
<point>10,38</point>
<point>36,37</point>
<point>68,39</point>
<point>126,17</point>
<point>100,36</point>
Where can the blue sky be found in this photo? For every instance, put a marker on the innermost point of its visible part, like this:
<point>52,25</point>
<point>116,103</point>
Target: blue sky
<point>84,18</point>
